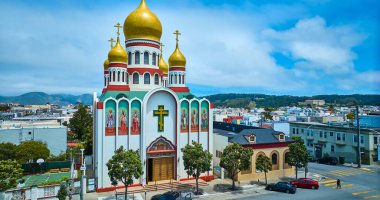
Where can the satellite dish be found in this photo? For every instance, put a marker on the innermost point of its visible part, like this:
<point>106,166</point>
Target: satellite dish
<point>40,161</point>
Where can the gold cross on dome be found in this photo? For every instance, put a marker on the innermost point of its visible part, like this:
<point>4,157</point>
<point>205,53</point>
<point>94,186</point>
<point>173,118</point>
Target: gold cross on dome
<point>177,33</point>
<point>111,42</point>
<point>118,28</point>
<point>162,47</point>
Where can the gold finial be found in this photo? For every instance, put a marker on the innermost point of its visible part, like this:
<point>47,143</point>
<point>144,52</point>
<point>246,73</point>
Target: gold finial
<point>111,42</point>
<point>177,33</point>
<point>162,47</point>
<point>118,29</point>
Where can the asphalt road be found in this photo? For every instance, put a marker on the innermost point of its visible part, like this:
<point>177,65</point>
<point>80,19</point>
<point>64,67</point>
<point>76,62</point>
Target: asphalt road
<point>356,184</point>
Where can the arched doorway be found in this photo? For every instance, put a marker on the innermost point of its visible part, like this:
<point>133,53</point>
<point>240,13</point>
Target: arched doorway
<point>160,160</point>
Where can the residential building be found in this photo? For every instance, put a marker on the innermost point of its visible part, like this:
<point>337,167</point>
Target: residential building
<point>268,142</point>
<point>338,141</point>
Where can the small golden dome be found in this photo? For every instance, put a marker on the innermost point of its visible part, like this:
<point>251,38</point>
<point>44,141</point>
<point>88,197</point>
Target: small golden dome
<point>117,53</point>
<point>177,58</point>
<point>163,66</point>
<point>142,23</point>
<point>106,64</point>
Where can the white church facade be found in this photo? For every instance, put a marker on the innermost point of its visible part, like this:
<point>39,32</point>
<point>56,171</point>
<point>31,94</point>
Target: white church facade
<point>145,105</point>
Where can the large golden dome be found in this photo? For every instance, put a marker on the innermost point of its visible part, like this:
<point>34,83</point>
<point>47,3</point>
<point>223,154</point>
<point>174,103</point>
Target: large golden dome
<point>106,64</point>
<point>142,23</point>
<point>117,53</point>
<point>177,58</point>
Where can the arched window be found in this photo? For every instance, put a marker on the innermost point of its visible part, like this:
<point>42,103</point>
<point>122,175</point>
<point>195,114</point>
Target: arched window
<point>171,79</point>
<point>146,78</point>
<point>183,79</point>
<point>129,58</point>
<point>136,78</point>
<point>154,59</point>
<point>126,77</point>
<point>274,159</point>
<point>137,57</point>
<point>156,80</point>
<point>146,58</point>
<point>113,76</point>
<point>105,81</point>
<point>123,77</point>
<point>118,76</point>
<point>180,79</point>
<point>287,158</point>
<point>175,79</point>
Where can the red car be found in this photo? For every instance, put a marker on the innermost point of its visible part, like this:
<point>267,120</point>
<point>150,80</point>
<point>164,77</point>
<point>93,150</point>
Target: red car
<point>305,183</point>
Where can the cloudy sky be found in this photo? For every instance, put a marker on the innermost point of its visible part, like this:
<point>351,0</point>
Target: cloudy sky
<point>275,47</point>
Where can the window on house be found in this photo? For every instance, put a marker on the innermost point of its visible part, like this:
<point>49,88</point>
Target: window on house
<point>137,57</point>
<point>355,139</point>
<point>135,78</point>
<point>297,131</point>
<point>154,59</point>
<point>114,76</point>
<point>320,134</point>
<point>274,159</point>
<point>146,58</point>
<point>156,79</point>
<point>325,135</point>
<point>331,134</point>
<point>332,148</point>
<point>281,137</point>
<point>302,130</point>
<point>294,130</point>
<point>146,78</point>
<point>218,154</point>
<point>374,139</point>
<point>252,138</point>
<point>344,136</point>
<point>338,136</point>
<point>362,139</point>
<point>308,133</point>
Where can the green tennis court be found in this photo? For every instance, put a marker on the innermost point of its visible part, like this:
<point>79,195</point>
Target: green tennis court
<point>40,178</point>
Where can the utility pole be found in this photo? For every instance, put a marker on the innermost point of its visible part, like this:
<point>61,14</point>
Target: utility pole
<point>359,156</point>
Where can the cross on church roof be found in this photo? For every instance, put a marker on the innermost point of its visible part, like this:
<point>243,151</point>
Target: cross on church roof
<point>118,26</point>
<point>177,33</point>
<point>111,42</point>
<point>162,47</point>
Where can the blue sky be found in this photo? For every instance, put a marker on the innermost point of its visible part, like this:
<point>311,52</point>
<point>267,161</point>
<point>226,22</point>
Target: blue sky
<point>276,47</point>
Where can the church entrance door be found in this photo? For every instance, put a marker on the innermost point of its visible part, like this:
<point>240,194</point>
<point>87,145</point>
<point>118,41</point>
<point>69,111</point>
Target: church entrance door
<point>162,168</point>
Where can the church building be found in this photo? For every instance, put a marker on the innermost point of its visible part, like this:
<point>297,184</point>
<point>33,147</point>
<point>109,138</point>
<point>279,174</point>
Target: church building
<point>145,105</point>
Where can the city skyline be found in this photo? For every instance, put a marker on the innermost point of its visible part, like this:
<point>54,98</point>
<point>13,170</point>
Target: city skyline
<point>302,48</point>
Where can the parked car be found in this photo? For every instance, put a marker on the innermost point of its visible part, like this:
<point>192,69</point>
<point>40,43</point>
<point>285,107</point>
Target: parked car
<point>328,160</point>
<point>305,183</point>
<point>166,196</point>
<point>282,187</point>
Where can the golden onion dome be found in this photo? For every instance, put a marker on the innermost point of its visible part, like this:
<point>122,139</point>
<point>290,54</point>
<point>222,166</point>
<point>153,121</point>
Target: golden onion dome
<point>142,23</point>
<point>163,66</point>
<point>117,53</point>
<point>106,64</point>
<point>177,58</point>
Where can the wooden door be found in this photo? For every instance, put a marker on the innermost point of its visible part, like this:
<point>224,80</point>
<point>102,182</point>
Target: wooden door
<point>163,168</point>
<point>156,169</point>
<point>170,167</point>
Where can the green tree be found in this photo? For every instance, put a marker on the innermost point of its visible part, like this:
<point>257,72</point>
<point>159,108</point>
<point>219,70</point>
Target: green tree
<point>31,151</point>
<point>124,166</point>
<point>264,164</point>
<point>7,151</point>
<point>298,156</point>
<point>298,139</point>
<point>196,161</point>
<point>62,192</point>
<point>81,122</point>
<point>234,159</point>
<point>88,143</point>
<point>10,171</point>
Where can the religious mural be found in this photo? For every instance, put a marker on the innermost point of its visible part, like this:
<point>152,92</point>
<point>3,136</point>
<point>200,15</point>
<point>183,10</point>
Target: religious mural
<point>194,116</point>
<point>136,117</point>
<point>123,117</point>
<point>204,115</point>
<point>160,144</point>
<point>184,117</point>
<point>110,117</point>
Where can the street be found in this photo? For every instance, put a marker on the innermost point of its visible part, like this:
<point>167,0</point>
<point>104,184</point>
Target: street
<point>356,184</point>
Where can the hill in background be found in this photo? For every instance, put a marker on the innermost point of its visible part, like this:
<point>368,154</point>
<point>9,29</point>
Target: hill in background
<point>43,98</point>
<point>262,100</point>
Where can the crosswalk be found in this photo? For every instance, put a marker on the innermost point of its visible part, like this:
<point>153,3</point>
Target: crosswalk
<point>348,172</point>
<point>345,186</point>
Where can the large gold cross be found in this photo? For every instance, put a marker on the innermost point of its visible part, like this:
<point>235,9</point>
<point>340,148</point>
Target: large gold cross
<point>160,113</point>
<point>118,28</point>
<point>111,42</point>
<point>177,33</point>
